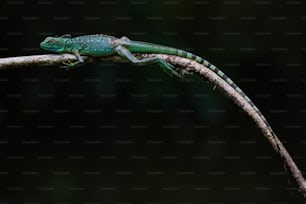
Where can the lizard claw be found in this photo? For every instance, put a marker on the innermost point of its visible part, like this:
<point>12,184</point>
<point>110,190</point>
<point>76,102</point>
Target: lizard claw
<point>69,65</point>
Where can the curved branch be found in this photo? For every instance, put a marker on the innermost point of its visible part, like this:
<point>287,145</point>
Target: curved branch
<point>237,98</point>
<point>185,65</point>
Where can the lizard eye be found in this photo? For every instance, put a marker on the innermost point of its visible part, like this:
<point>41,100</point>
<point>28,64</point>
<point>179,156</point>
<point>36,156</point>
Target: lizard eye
<point>51,41</point>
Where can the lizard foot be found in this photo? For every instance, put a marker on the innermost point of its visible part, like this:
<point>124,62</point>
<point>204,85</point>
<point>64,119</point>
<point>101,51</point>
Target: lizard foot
<point>69,65</point>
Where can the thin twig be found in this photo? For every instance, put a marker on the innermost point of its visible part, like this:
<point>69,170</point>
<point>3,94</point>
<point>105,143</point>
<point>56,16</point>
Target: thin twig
<point>185,65</point>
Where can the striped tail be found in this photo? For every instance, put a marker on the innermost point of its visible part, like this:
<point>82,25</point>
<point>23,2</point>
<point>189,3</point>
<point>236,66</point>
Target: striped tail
<point>212,67</point>
<point>191,56</point>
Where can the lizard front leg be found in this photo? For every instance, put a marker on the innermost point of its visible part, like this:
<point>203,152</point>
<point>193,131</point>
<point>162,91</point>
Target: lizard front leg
<point>78,56</point>
<point>167,67</point>
<point>69,64</point>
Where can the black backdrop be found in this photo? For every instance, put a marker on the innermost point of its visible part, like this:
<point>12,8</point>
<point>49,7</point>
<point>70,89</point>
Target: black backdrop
<point>115,133</point>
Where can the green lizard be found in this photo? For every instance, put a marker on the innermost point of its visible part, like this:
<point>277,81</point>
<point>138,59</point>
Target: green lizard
<point>104,45</point>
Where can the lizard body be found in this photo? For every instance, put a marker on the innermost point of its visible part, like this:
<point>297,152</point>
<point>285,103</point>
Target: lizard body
<point>104,45</point>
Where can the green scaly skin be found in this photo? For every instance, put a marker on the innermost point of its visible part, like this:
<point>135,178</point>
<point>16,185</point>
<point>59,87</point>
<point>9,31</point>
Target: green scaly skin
<point>105,45</point>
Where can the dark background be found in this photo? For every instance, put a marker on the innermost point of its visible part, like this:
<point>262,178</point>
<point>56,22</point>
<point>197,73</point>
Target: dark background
<point>116,133</point>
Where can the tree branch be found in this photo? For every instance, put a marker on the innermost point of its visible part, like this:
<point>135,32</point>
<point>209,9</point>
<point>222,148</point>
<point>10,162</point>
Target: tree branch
<point>46,60</point>
<point>185,65</point>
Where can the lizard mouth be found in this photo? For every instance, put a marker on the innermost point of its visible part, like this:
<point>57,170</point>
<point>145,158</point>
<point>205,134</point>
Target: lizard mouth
<point>45,45</point>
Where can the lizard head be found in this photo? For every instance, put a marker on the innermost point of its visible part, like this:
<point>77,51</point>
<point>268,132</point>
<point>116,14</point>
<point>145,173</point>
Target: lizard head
<point>54,44</point>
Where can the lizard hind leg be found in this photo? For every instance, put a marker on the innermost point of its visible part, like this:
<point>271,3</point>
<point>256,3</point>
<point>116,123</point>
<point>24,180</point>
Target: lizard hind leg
<point>167,67</point>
